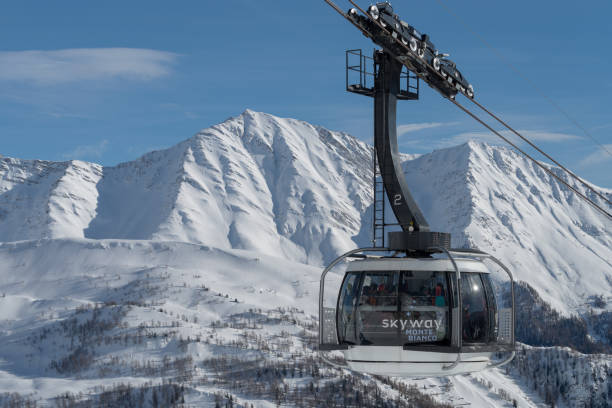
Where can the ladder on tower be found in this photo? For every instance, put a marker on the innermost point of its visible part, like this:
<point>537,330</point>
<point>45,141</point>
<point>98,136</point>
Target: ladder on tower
<point>378,216</point>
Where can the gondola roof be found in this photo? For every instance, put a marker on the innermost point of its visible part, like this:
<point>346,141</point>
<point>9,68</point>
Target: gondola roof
<point>416,264</point>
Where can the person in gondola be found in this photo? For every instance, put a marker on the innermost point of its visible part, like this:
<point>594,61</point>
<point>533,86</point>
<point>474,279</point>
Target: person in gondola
<point>381,293</point>
<point>439,296</point>
<point>371,295</point>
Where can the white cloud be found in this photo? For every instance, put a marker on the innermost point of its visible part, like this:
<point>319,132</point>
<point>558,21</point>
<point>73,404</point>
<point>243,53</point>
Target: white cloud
<point>604,126</point>
<point>598,157</point>
<point>545,136</point>
<point>83,64</point>
<point>414,127</point>
<point>466,136</point>
<point>87,151</point>
<point>491,138</point>
<point>64,115</point>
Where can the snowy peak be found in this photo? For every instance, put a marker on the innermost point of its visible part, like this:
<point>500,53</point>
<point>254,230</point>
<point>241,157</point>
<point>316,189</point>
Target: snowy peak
<point>284,187</point>
<point>492,198</point>
<point>40,199</point>
<point>312,194</point>
<point>136,197</point>
<point>256,181</point>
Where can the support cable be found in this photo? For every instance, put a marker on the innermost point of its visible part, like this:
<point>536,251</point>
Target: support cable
<point>343,14</point>
<point>581,181</point>
<point>501,57</point>
<point>547,170</point>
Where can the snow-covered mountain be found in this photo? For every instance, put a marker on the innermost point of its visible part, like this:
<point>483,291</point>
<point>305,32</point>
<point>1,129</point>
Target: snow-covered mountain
<point>286,188</point>
<point>105,271</point>
<point>491,198</point>
<point>279,186</point>
<point>40,199</point>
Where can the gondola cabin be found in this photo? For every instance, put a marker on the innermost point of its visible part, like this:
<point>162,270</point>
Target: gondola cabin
<point>421,317</point>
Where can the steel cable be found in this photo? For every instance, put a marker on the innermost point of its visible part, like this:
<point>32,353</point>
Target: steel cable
<point>584,183</point>
<point>516,70</point>
<point>547,170</point>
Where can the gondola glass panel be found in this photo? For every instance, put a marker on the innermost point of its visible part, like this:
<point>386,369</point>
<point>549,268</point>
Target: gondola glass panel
<point>475,312</point>
<point>347,302</point>
<point>492,304</point>
<point>393,308</point>
<point>377,307</point>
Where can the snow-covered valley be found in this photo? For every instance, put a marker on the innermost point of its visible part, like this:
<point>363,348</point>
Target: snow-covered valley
<point>193,264</point>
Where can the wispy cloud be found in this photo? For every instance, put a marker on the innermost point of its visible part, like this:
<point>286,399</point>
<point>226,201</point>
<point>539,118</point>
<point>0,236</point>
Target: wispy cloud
<point>87,151</point>
<point>84,64</point>
<point>598,157</point>
<point>489,137</point>
<point>604,126</point>
<point>415,127</point>
<point>466,136</point>
<point>536,135</point>
<point>66,115</point>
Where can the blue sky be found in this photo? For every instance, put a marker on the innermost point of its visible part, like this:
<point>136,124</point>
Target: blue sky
<point>108,81</point>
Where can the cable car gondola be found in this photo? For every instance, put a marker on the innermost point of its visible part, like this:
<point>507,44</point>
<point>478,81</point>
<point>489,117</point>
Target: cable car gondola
<point>424,316</point>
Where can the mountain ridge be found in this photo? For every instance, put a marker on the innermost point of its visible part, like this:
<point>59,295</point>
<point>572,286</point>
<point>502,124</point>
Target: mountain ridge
<point>284,187</point>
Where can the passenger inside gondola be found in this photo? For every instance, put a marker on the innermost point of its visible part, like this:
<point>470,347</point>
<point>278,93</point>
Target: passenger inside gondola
<point>440,297</point>
<point>395,308</point>
<point>377,308</point>
<point>423,307</point>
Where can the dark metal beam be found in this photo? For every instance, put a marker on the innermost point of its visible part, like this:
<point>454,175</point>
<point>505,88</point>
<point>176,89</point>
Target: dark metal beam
<point>387,87</point>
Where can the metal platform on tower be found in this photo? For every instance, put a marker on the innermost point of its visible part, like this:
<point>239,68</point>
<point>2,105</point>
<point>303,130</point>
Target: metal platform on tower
<point>361,72</point>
